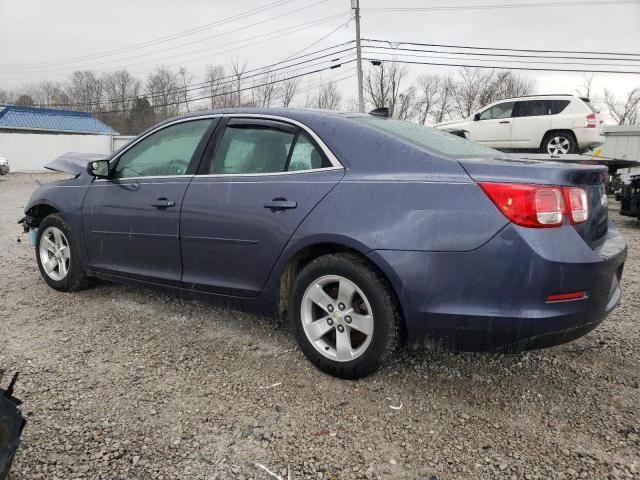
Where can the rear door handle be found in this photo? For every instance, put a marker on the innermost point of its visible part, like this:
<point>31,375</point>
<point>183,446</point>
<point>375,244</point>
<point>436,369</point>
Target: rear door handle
<point>505,121</point>
<point>280,204</point>
<point>163,203</point>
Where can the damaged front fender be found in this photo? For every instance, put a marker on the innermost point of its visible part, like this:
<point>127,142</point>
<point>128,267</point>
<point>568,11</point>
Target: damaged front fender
<point>74,163</point>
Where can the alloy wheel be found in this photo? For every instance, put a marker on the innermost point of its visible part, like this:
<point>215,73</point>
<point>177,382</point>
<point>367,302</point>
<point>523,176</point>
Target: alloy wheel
<point>55,254</point>
<point>337,318</point>
<point>558,145</point>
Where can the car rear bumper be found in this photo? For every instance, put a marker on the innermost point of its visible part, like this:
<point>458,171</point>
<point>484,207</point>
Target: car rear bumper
<point>494,298</point>
<point>588,137</point>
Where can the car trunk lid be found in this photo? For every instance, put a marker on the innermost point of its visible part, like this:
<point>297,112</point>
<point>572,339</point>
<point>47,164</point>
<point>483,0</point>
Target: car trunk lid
<point>589,177</point>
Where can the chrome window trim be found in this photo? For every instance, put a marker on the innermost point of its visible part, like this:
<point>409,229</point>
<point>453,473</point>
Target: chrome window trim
<point>160,127</point>
<point>268,174</point>
<point>335,163</point>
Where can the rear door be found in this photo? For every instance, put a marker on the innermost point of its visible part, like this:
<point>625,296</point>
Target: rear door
<point>259,179</point>
<point>531,120</point>
<point>131,221</point>
<point>492,127</point>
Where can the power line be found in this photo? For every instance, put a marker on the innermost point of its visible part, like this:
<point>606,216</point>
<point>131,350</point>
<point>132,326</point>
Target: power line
<point>499,49</point>
<point>179,102</point>
<point>507,55</point>
<point>231,79</point>
<point>502,67</point>
<point>164,39</point>
<point>537,62</point>
<point>193,41</point>
<point>503,5</point>
<point>279,34</point>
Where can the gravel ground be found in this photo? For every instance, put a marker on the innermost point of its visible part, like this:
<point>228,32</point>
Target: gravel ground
<point>122,382</point>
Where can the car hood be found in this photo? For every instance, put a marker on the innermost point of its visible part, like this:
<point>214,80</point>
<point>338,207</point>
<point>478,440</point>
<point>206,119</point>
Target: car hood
<point>74,163</point>
<point>447,124</point>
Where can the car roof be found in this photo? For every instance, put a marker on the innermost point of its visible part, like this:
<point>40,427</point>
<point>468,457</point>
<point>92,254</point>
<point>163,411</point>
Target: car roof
<point>558,96</point>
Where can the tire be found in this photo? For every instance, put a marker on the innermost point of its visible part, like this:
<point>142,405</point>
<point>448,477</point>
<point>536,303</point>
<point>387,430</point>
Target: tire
<point>70,277</point>
<point>372,307</point>
<point>559,143</point>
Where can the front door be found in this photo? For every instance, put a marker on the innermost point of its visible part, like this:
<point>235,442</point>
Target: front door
<point>263,179</point>
<point>131,220</point>
<point>492,127</point>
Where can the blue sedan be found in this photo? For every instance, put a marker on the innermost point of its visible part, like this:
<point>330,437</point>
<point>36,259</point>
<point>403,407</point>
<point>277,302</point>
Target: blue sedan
<point>364,231</point>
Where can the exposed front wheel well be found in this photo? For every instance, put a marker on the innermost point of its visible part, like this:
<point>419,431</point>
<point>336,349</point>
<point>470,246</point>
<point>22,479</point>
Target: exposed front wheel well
<point>298,261</point>
<point>37,213</point>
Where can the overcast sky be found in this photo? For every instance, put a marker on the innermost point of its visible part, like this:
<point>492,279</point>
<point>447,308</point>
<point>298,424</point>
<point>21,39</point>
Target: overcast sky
<point>53,31</point>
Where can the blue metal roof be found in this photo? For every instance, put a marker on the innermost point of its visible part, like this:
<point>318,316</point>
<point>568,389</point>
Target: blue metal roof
<point>32,118</point>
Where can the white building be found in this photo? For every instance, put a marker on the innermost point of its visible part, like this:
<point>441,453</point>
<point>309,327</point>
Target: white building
<point>31,137</point>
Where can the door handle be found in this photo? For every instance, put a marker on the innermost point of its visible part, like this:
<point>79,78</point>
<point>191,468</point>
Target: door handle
<point>280,204</point>
<point>505,121</point>
<point>163,203</point>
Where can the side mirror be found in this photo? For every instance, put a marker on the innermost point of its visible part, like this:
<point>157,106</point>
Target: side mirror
<point>99,168</point>
<point>476,117</point>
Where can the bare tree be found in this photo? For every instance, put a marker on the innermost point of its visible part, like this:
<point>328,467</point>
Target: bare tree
<point>585,89</point>
<point>429,91</point>
<point>120,88</point>
<point>288,90</point>
<point>47,93</point>
<point>265,89</point>
<point>382,85</point>
<point>328,97</point>
<point>185,79</point>
<point>163,90</point>
<point>625,111</point>
<point>85,89</point>
<point>237,71</point>
<point>218,90</point>
<point>474,88</point>
<point>405,105</point>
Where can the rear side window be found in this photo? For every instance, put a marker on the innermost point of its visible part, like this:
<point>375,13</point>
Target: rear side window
<point>558,106</point>
<point>429,138</point>
<point>252,149</point>
<point>531,108</point>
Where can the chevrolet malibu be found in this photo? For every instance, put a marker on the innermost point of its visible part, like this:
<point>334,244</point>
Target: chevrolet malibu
<point>364,231</point>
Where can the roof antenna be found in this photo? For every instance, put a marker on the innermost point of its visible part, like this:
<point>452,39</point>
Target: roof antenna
<point>380,112</point>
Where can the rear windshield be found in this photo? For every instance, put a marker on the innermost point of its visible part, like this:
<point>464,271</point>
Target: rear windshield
<point>429,138</point>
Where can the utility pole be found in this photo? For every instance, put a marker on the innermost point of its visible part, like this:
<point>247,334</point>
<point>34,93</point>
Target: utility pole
<point>355,5</point>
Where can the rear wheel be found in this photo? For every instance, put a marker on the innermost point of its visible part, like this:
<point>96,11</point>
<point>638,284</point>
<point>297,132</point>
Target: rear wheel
<point>559,143</point>
<point>344,316</point>
<point>58,256</point>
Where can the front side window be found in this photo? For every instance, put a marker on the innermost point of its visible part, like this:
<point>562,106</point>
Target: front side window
<point>253,149</point>
<point>165,152</point>
<point>502,110</point>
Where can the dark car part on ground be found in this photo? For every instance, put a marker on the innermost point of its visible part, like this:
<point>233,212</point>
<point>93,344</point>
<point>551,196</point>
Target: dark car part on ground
<point>11,425</point>
<point>630,198</point>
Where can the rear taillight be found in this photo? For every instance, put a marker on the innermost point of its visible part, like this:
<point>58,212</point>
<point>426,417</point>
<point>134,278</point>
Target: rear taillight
<point>538,206</point>
<point>590,121</point>
<point>577,205</point>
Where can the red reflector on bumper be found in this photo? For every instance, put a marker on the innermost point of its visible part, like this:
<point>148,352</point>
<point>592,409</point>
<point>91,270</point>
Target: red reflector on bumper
<point>566,296</point>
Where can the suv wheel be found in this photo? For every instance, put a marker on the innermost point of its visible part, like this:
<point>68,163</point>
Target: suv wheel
<point>344,316</point>
<point>559,143</point>
<point>57,255</point>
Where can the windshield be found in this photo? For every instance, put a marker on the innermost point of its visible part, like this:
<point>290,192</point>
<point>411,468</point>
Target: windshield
<point>429,138</point>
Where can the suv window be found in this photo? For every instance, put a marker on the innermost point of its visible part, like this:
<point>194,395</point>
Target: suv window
<point>165,152</point>
<point>558,106</point>
<point>253,148</point>
<point>501,110</point>
<point>531,108</point>
<point>429,138</point>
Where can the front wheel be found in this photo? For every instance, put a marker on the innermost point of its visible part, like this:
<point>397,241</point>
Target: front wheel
<point>58,256</point>
<point>344,316</point>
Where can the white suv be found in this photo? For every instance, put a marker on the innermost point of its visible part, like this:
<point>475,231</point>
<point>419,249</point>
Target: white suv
<point>553,124</point>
